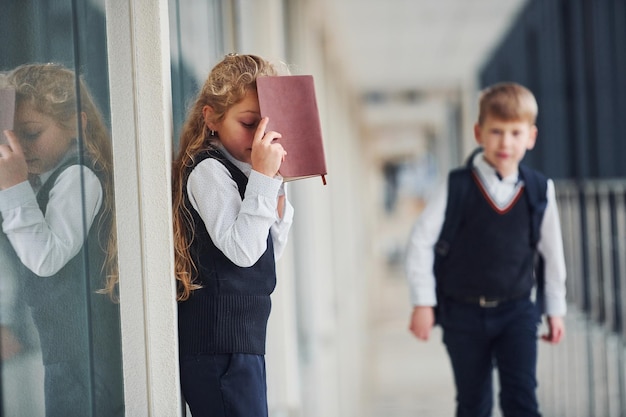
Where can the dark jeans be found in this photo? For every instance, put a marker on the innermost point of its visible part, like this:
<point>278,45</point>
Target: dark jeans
<point>477,339</point>
<point>224,385</point>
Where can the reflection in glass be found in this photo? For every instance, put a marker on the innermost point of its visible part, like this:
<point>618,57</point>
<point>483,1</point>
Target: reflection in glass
<point>56,203</point>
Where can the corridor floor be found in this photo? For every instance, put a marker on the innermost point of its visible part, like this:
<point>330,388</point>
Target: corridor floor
<point>409,378</point>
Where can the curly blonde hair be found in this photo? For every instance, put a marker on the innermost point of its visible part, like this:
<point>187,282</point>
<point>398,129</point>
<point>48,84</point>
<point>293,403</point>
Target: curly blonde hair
<point>227,84</point>
<point>51,90</point>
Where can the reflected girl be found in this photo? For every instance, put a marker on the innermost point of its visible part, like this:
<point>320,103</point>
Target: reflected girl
<point>56,202</point>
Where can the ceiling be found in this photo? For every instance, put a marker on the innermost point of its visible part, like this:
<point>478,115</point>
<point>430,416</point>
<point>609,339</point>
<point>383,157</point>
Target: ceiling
<point>391,46</point>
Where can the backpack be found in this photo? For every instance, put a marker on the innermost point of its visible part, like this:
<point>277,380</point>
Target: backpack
<point>459,183</point>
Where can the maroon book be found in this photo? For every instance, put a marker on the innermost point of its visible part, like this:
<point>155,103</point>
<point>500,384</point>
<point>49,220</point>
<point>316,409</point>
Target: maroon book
<point>289,102</point>
<point>7,111</point>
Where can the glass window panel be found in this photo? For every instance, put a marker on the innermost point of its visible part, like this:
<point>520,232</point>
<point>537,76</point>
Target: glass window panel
<point>196,46</point>
<point>59,327</point>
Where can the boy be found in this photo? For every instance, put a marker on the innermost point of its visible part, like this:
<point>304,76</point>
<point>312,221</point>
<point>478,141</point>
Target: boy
<point>484,273</point>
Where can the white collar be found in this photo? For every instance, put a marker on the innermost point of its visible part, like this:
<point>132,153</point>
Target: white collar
<point>489,174</point>
<point>243,166</point>
<point>503,193</point>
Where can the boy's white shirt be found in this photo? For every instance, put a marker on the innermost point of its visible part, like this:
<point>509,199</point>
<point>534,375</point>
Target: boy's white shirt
<point>239,227</point>
<point>425,233</point>
<point>45,244</point>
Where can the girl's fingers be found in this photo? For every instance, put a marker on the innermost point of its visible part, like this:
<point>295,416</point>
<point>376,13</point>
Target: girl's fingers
<point>271,136</point>
<point>267,154</point>
<point>13,142</point>
<point>260,130</point>
<point>260,135</point>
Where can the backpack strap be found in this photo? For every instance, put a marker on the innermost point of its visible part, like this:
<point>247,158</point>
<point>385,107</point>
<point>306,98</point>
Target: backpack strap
<point>459,183</point>
<point>536,186</point>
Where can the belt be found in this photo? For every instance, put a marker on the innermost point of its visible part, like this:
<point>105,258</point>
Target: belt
<point>488,302</point>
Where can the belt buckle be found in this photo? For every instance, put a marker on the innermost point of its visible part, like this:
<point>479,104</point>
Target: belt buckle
<point>487,304</point>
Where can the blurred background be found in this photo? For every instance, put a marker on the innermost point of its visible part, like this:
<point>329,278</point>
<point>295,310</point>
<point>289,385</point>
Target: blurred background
<point>397,85</point>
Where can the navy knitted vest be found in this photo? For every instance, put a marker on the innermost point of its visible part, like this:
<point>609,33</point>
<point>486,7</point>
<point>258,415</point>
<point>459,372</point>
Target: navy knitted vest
<point>229,313</point>
<point>492,253</point>
<point>73,321</point>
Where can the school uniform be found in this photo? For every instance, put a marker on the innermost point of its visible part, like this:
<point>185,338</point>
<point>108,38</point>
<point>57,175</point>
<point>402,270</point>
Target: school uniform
<point>484,287</point>
<point>79,330</point>
<point>222,326</point>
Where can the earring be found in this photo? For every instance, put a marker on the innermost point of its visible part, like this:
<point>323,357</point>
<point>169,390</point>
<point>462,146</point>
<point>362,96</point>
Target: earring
<point>212,132</point>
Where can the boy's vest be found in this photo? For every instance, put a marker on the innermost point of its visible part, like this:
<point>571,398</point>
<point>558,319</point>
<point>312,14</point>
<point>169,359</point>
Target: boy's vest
<point>229,313</point>
<point>460,185</point>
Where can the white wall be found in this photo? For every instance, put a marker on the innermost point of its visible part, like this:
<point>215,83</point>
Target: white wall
<point>139,71</point>
<point>322,279</point>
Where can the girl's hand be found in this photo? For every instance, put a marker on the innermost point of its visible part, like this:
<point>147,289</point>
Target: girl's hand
<point>13,167</point>
<point>280,206</point>
<point>267,155</point>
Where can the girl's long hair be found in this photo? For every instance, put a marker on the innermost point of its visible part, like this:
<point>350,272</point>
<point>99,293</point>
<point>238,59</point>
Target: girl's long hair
<point>226,85</point>
<point>51,90</point>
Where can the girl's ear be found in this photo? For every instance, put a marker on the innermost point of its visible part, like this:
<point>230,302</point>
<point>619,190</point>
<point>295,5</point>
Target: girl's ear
<point>207,113</point>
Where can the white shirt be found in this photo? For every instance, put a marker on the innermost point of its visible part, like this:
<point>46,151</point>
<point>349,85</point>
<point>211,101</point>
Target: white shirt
<point>425,233</point>
<point>46,244</point>
<point>8,281</point>
<point>239,228</point>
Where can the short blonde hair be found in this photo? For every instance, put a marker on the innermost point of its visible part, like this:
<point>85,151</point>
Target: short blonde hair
<point>507,101</point>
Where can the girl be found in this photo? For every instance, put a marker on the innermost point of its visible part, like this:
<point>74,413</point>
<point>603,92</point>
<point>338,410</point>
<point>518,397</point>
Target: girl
<point>61,227</point>
<point>231,221</point>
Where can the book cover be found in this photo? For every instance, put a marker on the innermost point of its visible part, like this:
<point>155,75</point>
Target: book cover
<point>290,103</point>
<point>7,111</point>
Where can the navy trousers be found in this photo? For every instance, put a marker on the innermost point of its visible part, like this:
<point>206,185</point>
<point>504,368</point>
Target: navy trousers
<point>224,385</point>
<point>69,392</point>
<point>479,338</point>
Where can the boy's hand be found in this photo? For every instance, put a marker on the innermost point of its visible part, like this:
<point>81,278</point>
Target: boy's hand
<point>556,330</point>
<point>267,155</point>
<point>13,168</point>
<point>422,322</point>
